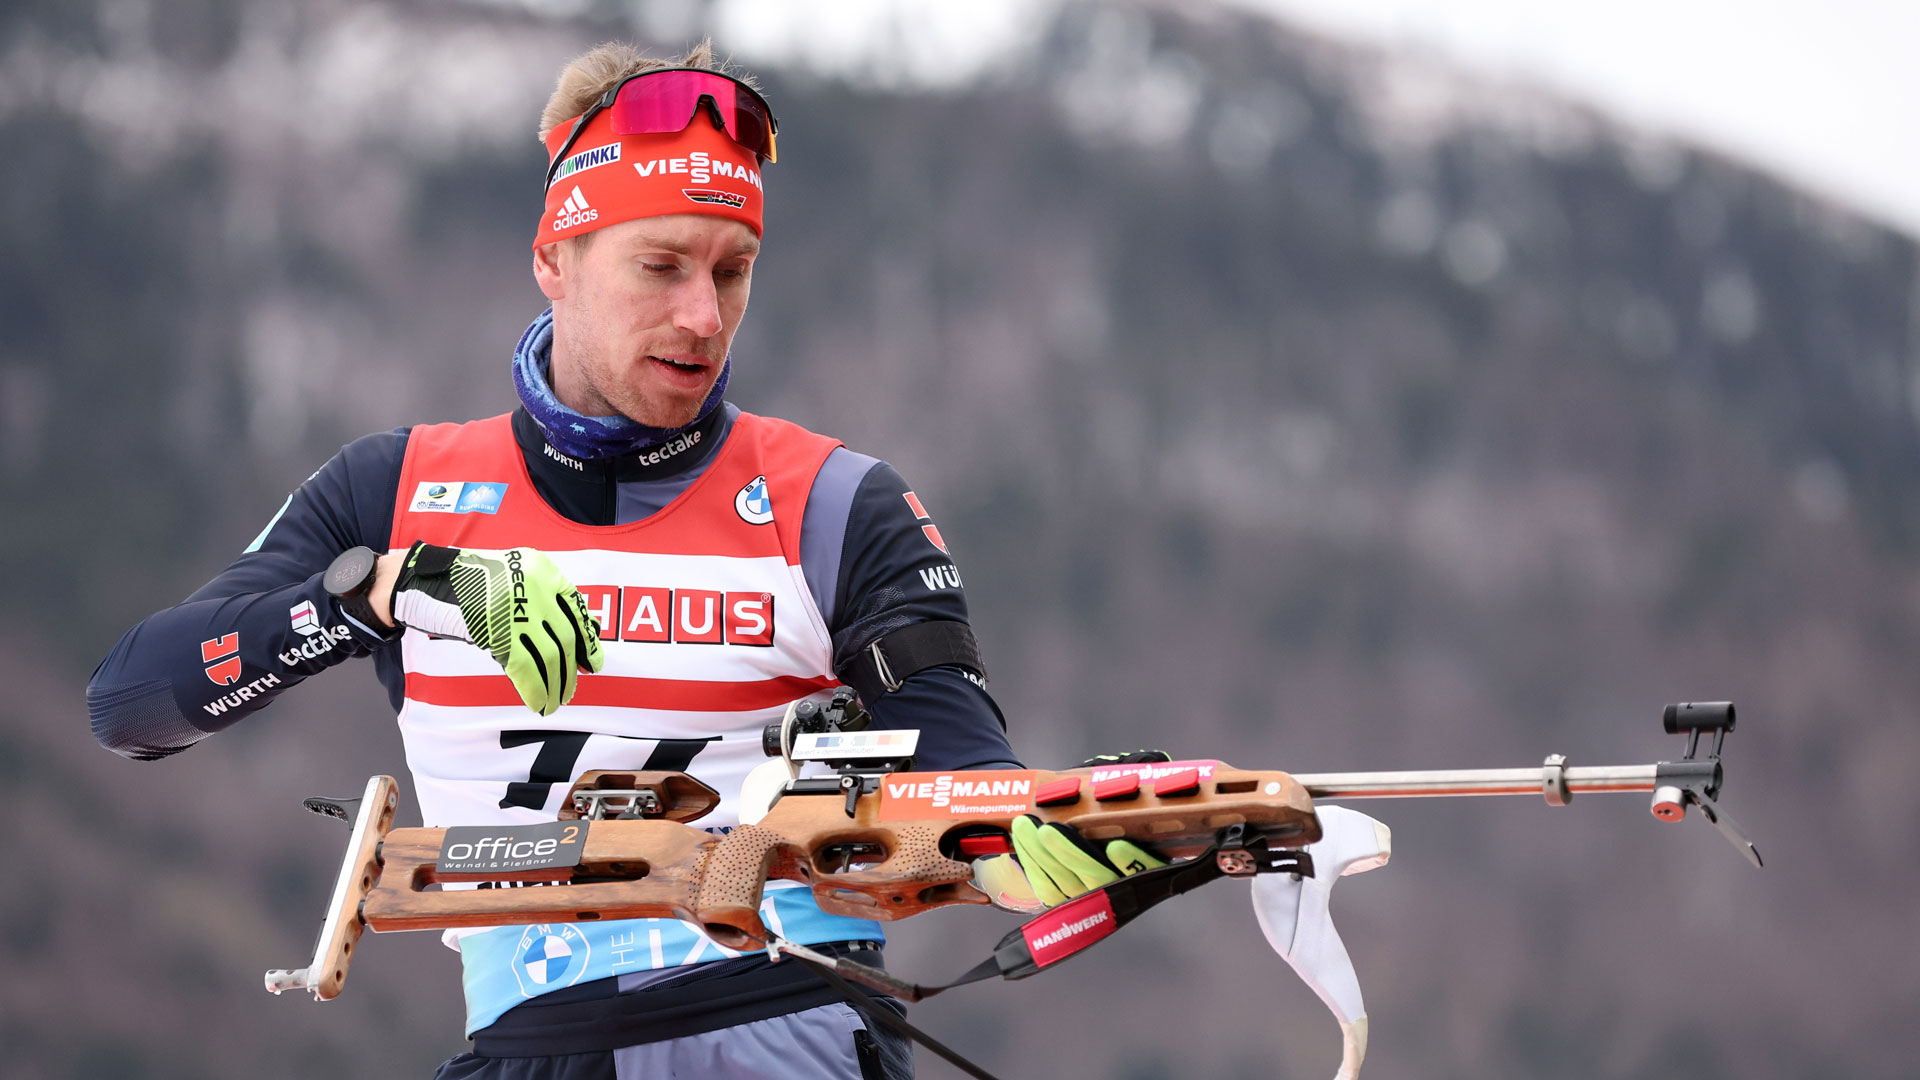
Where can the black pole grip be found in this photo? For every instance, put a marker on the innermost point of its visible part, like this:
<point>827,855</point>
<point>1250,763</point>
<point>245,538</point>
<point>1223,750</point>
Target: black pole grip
<point>1698,716</point>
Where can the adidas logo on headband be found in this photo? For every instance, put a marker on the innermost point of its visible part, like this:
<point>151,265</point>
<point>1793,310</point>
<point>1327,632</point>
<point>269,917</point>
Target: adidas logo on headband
<point>574,211</point>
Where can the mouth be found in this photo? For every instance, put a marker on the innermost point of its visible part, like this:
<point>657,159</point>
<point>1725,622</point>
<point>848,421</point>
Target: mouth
<point>684,371</point>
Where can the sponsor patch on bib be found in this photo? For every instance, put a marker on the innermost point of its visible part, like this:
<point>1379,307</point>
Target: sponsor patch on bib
<point>458,497</point>
<point>753,504</point>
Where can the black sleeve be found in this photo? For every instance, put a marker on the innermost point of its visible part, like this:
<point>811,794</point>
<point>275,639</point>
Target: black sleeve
<point>262,625</point>
<point>895,571</point>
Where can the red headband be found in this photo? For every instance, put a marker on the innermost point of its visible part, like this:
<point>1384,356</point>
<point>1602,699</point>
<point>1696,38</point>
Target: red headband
<point>608,178</point>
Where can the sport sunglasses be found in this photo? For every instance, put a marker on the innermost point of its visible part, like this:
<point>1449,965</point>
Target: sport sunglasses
<point>664,100</point>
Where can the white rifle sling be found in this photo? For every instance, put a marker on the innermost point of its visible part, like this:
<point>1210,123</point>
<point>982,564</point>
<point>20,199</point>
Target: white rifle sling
<point>1294,915</point>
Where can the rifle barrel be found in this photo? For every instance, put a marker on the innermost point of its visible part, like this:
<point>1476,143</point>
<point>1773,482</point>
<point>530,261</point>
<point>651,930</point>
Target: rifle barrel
<point>1438,783</point>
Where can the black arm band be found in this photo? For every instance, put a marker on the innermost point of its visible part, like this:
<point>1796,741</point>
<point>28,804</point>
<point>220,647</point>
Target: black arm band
<point>882,666</point>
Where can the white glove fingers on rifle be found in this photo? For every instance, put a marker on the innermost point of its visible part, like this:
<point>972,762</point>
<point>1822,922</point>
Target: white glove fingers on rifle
<point>515,604</point>
<point>1296,918</point>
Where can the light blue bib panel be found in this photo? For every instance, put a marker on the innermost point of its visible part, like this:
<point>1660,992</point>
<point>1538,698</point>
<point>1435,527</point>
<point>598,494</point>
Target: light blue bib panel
<point>511,964</point>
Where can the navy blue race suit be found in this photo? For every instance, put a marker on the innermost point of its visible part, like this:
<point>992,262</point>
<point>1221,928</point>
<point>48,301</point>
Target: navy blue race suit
<point>864,553</point>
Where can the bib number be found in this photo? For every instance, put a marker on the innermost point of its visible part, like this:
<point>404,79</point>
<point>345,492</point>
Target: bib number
<point>560,750</point>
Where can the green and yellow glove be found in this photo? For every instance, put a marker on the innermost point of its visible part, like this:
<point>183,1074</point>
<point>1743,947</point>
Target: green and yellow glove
<point>515,604</point>
<point>1052,863</point>
<point>1061,864</point>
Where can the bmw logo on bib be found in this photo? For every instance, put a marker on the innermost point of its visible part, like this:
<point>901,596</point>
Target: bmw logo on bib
<point>753,504</point>
<point>549,957</point>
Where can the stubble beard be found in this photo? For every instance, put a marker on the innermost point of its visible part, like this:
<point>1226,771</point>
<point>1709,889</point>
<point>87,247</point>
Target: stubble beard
<point>664,411</point>
<point>608,385</point>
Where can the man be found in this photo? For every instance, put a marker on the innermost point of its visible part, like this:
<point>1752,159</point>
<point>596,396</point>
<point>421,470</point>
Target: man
<point>726,565</point>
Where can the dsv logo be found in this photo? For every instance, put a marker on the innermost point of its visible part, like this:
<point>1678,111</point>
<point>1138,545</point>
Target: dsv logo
<point>222,657</point>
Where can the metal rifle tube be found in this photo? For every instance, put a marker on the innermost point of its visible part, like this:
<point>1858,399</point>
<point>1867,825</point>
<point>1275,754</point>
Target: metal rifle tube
<point>1446,783</point>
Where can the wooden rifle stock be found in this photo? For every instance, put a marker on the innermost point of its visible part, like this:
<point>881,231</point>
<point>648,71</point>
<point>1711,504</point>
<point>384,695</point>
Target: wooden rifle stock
<point>915,863</point>
<point>891,858</point>
<point>888,845</point>
<point>651,868</point>
<point>627,870</point>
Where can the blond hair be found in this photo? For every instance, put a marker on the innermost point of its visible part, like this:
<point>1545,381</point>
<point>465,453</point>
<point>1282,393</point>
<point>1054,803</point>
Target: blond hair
<point>595,71</point>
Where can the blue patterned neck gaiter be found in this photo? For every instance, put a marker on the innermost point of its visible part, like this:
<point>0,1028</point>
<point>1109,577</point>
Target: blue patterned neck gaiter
<point>589,438</point>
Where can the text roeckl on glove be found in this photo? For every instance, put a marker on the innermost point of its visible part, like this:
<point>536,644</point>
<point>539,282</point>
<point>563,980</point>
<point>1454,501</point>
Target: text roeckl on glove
<point>515,604</point>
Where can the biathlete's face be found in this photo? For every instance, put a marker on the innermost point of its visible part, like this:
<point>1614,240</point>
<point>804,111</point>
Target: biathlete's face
<point>644,316</point>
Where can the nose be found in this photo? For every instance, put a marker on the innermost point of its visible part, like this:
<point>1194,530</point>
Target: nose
<point>696,306</point>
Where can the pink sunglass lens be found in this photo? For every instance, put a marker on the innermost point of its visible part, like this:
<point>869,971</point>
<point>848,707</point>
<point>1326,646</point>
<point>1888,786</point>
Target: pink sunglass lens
<point>655,104</point>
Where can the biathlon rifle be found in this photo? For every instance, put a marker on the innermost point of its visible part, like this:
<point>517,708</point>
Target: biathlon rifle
<point>876,840</point>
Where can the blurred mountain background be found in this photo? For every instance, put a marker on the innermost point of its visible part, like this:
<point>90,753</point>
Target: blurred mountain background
<point>1284,401</point>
